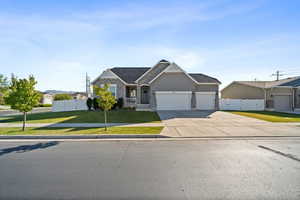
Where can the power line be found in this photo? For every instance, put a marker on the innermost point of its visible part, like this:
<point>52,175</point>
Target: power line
<point>278,74</point>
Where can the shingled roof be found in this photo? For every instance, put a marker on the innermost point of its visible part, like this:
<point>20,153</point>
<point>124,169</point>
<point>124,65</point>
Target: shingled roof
<point>202,78</point>
<point>287,82</point>
<point>293,83</point>
<point>129,74</point>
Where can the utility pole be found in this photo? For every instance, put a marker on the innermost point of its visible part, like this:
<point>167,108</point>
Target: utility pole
<point>88,85</point>
<point>277,74</point>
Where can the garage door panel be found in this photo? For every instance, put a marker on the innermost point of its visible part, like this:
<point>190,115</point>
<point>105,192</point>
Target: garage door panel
<point>282,102</point>
<point>173,100</point>
<point>205,100</point>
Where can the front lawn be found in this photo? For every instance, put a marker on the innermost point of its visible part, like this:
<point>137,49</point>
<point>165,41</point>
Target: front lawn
<point>80,131</point>
<point>269,116</point>
<point>120,116</point>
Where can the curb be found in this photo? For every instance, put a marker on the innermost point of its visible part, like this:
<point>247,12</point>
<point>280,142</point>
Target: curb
<point>133,136</point>
<point>108,136</point>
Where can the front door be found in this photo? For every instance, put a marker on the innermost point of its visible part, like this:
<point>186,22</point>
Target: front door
<point>145,95</point>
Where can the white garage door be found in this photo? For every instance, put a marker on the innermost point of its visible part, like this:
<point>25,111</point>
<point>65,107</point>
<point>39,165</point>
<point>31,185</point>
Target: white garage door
<point>167,100</point>
<point>282,102</point>
<point>205,100</point>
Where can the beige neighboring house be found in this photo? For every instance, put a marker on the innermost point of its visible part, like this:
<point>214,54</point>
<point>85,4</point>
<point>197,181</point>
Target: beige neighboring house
<point>79,95</point>
<point>281,95</point>
<point>165,86</point>
<point>47,98</point>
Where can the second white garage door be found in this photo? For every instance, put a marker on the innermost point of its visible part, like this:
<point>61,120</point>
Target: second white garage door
<point>205,100</point>
<point>169,100</point>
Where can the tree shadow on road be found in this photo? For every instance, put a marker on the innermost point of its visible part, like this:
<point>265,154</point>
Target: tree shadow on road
<point>27,148</point>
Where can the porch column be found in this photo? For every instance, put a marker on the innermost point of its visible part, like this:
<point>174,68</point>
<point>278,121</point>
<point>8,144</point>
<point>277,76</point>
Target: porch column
<point>265,98</point>
<point>294,99</point>
<point>138,94</point>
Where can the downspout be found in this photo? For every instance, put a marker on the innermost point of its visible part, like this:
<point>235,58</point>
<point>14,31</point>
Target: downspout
<point>265,96</point>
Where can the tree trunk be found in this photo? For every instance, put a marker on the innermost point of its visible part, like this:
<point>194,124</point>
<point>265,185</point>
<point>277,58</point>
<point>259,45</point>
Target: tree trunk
<point>105,120</point>
<point>24,121</point>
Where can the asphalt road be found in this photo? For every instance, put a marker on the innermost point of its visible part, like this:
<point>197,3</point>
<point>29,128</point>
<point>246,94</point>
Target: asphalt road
<point>202,169</point>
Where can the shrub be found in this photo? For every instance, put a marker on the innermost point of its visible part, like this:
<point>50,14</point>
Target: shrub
<point>96,103</point>
<point>59,97</point>
<point>43,105</point>
<point>89,103</point>
<point>120,103</point>
<point>114,106</point>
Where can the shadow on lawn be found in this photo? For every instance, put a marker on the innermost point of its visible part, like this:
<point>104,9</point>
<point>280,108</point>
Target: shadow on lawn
<point>115,116</point>
<point>68,129</point>
<point>27,148</point>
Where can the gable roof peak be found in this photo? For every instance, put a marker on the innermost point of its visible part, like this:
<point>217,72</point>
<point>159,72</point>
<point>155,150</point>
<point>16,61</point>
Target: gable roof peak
<point>164,61</point>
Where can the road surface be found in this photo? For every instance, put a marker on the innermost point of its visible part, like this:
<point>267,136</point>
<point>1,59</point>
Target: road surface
<point>199,169</point>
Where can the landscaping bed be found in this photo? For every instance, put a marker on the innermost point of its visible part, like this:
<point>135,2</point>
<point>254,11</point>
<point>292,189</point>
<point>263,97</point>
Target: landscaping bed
<point>269,116</point>
<point>118,116</point>
<point>80,131</point>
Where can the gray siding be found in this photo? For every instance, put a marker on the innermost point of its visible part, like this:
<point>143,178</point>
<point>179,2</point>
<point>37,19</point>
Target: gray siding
<point>153,73</point>
<point>179,82</point>
<point>120,86</point>
<point>240,91</point>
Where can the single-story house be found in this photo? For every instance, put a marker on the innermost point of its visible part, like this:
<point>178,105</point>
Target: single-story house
<point>281,95</point>
<point>79,95</point>
<point>165,86</point>
<point>47,98</point>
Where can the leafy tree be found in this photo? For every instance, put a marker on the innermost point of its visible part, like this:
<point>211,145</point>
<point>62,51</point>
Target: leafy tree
<point>89,103</point>
<point>4,87</point>
<point>22,95</point>
<point>59,97</point>
<point>106,100</point>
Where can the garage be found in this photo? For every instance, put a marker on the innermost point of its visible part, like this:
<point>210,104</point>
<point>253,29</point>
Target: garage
<point>282,102</point>
<point>206,100</point>
<point>173,100</point>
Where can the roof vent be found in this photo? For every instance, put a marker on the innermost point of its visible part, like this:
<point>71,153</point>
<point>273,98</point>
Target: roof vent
<point>163,61</point>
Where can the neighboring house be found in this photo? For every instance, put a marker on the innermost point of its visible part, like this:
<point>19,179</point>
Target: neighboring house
<point>47,98</point>
<point>79,95</point>
<point>165,86</point>
<point>281,95</point>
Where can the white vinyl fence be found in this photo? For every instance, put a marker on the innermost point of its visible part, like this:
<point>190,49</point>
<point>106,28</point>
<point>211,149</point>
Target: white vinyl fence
<point>242,104</point>
<point>69,105</point>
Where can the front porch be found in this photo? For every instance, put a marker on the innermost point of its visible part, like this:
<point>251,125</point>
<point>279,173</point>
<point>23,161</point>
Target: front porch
<point>138,97</point>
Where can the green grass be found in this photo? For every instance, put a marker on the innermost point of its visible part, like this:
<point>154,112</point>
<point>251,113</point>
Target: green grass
<point>269,116</point>
<point>79,131</point>
<point>120,116</point>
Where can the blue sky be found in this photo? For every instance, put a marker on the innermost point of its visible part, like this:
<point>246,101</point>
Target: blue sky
<point>58,41</point>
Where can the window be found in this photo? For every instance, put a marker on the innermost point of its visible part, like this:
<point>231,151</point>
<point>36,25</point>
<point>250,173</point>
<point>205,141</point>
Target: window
<point>112,88</point>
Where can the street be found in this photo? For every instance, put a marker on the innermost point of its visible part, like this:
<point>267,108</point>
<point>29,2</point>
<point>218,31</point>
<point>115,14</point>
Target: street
<point>153,169</point>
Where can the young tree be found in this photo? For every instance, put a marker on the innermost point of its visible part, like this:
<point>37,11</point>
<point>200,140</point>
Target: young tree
<point>106,100</point>
<point>22,95</point>
<point>3,88</point>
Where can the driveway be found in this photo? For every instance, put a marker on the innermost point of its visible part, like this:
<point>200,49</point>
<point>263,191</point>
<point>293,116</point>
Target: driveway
<point>209,124</point>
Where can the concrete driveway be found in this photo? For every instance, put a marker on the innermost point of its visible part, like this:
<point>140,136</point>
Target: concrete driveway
<point>210,124</point>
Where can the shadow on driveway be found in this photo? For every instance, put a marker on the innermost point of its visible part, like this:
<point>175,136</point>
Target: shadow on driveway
<point>172,114</point>
<point>27,148</point>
